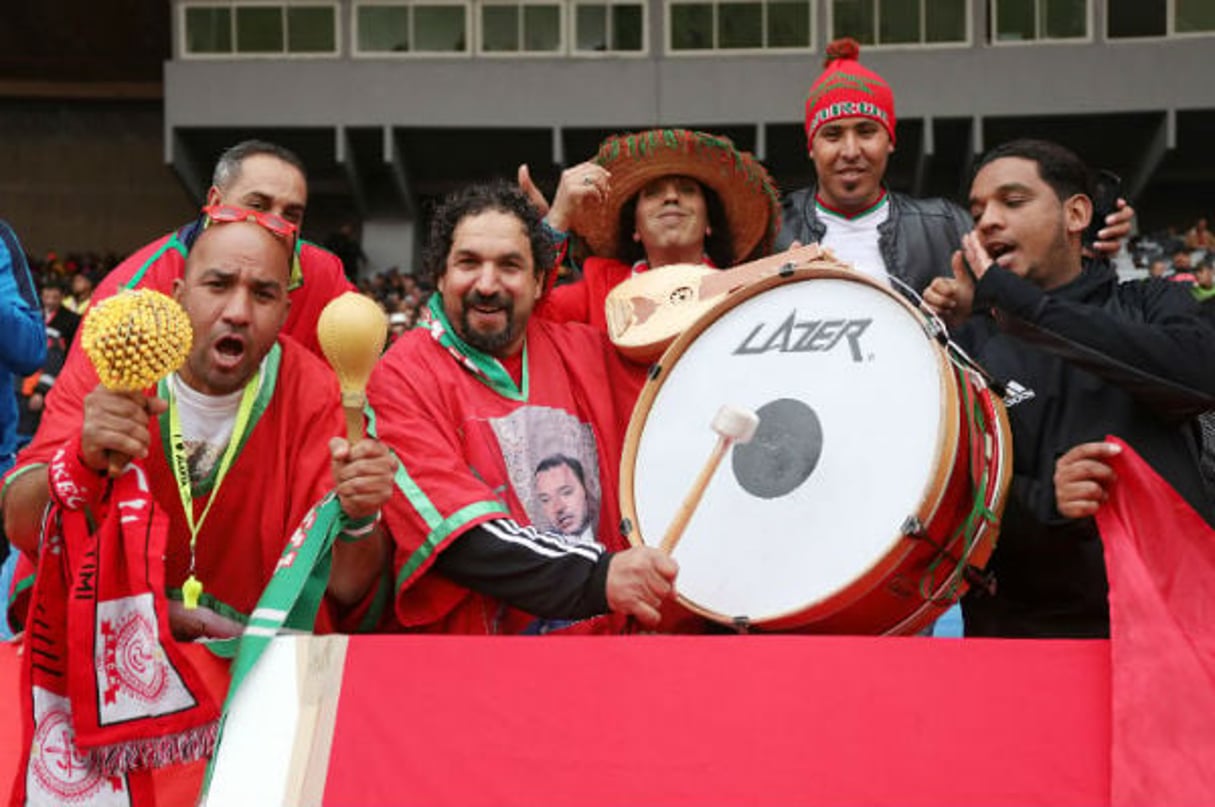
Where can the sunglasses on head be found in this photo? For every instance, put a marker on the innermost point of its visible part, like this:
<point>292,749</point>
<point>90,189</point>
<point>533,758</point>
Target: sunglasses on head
<point>229,213</point>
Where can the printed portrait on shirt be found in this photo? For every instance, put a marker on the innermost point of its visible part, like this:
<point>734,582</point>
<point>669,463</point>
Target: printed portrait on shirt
<point>553,467</point>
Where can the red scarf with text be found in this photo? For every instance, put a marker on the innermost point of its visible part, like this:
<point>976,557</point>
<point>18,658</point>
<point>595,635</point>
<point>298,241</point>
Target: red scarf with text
<point>106,694</point>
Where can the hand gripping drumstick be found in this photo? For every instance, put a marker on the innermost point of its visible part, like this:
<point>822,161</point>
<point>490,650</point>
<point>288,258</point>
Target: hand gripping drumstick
<point>733,424</point>
<point>352,330</point>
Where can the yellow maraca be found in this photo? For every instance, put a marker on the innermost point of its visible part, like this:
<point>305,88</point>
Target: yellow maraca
<point>352,330</point>
<point>134,339</point>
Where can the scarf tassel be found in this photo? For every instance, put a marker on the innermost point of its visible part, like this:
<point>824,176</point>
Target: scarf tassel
<point>189,745</point>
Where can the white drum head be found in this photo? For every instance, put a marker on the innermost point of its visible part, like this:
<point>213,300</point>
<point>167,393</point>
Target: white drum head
<point>852,410</point>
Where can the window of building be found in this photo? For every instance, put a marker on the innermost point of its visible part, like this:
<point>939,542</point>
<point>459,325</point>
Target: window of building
<point>900,22</point>
<point>1156,18</point>
<point>520,27</point>
<point>609,27</point>
<point>381,29</point>
<point>1036,20</point>
<point>421,27</point>
<point>259,29</point>
<point>733,25</point>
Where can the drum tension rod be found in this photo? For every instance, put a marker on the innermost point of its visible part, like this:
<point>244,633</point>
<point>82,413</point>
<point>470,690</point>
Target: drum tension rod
<point>741,624</point>
<point>974,576</point>
<point>626,528</point>
<point>786,269</point>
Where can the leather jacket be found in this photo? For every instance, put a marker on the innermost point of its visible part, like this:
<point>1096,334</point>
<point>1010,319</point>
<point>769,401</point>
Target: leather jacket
<point>916,241</point>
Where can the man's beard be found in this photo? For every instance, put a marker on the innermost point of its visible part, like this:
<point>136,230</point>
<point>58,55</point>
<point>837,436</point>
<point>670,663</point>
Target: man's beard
<point>489,343</point>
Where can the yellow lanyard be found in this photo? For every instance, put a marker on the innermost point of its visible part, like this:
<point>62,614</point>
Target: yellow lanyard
<point>192,588</point>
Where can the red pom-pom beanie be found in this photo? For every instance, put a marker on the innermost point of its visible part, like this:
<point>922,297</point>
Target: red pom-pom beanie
<point>846,89</point>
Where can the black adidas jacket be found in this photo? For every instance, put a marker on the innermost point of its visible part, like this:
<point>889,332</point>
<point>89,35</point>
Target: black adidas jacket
<point>1092,358</point>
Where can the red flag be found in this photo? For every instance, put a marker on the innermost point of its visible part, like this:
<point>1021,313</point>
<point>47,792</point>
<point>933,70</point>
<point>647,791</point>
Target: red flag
<point>1160,557</point>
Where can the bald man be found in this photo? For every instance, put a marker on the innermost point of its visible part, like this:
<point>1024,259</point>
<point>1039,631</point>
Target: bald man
<point>251,421</point>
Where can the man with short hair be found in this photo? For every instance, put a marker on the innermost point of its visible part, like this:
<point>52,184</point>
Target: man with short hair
<point>563,497</point>
<point>471,404</point>
<point>1083,356</point>
<point>254,175</point>
<point>850,134</point>
<point>222,525</point>
<point>231,420</point>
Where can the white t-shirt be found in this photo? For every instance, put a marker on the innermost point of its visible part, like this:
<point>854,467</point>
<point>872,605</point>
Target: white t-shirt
<point>206,425</point>
<point>855,239</point>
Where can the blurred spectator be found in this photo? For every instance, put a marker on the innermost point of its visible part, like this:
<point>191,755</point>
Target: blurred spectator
<point>1204,280</point>
<point>1199,237</point>
<point>1182,264</point>
<point>82,293</point>
<point>398,324</point>
<point>61,325</point>
<point>1158,268</point>
<point>348,249</point>
<point>56,315</point>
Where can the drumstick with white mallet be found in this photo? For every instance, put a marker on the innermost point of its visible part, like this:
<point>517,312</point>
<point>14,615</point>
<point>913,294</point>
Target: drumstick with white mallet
<point>734,425</point>
<point>352,330</point>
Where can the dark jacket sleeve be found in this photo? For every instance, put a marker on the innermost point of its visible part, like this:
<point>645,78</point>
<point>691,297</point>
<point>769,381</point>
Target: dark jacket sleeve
<point>23,346</point>
<point>540,573</point>
<point>1148,338</point>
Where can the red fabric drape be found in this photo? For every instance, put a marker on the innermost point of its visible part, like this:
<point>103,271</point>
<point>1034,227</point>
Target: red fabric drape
<point>1160,557</point>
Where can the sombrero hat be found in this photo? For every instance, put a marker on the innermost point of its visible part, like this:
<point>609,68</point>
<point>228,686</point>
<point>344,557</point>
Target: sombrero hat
<point>747,193</point>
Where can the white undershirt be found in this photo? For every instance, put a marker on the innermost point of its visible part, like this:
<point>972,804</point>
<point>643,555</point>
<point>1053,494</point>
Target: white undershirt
<point>855,240</point>
<point>206,425</point>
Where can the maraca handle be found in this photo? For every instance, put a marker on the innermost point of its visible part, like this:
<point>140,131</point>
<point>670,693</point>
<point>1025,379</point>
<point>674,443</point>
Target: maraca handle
<point>352,403</point>
<point>354,424</point>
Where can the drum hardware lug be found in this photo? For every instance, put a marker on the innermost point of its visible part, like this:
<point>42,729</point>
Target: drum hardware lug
<point>741,624</point>
<point>654,371</point>
<point>913,526</point>
<point>936,330</point>
<point>626,528</point>
<point>980,579</point>
<point>787,269</point>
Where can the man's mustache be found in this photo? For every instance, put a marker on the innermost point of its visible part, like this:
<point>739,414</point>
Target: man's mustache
<point>476,298</point>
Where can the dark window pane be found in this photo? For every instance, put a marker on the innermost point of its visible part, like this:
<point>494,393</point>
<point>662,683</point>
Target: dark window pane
<point>1015,20</point>
<point>853,18</point>
<point>626,27</point>
<point>1131,18</point>
<point>789,24</point>
<point>1193,15</point>
<point>500,28</point>
<point>259,29</point>
<point>1065,19</point>
<point>899,21</point>
<point>439,28</point>
<point>740,25</point>
<point>945,20</point>
<point>590,27</point>
<point>208,30</point>
<point>541,28</point>
<point>691,26</point>
<point>310,29</point>
<point>383,29</point>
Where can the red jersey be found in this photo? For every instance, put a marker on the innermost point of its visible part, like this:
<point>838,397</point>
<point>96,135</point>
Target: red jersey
<point>470,440</point>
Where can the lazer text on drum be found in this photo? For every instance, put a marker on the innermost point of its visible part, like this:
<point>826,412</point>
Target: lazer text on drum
<point>806,336</point>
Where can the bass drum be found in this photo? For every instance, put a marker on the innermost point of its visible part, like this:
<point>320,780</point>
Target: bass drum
<point>872,491</point>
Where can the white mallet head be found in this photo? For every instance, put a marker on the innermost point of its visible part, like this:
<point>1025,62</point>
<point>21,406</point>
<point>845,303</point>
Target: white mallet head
<point>735,423</point>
